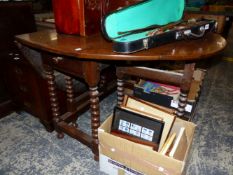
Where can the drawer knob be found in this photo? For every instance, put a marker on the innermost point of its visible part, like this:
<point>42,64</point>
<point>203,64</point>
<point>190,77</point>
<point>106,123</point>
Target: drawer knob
<point>16,58</point>
<point>57,59</point>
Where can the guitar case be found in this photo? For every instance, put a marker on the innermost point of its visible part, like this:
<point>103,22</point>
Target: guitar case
<point>151,23</point>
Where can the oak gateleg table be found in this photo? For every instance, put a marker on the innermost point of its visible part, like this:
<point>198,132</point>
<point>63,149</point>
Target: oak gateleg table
<point>81,56</point>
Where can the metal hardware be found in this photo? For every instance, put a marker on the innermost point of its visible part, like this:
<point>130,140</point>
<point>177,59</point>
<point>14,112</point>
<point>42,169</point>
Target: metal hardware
<point>57,59</point>
<point>145,43</point>
<point>16,58</point>
<point>216,25</point>
<point>201,34</point>
<point>202,29</point>
<point>178,35</point>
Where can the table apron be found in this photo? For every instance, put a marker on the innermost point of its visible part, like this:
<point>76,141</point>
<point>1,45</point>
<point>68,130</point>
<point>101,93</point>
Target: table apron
<point>68,65</point>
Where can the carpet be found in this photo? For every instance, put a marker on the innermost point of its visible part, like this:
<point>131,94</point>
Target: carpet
<point>27,149</point>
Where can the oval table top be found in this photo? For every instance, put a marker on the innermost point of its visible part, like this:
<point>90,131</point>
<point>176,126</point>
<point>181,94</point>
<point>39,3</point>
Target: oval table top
<point>97,48</point>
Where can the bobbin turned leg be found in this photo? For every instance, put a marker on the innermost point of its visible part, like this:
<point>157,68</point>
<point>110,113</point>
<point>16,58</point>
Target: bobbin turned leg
<point>185,87</point>
<point>49,73</point>
<point>92,75</point>
<point>120,85</point>
<point>120,91</point>
<point>95,118</point>
<point>182,103</point>
<point>70,100</point>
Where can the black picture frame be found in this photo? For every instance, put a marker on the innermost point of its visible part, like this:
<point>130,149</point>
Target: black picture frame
<point>137,127</point>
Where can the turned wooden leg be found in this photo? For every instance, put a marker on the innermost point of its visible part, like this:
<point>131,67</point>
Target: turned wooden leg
<point>95,117</point>
<point>185,87</point>
<point>120,91</point>
<point>70,98</point>
<point>69,93</point>
<point>49,73</point>
<point>120,85</point>
<point>181,104</point>
<point>91,74</point>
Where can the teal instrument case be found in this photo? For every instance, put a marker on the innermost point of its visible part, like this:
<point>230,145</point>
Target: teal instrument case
<point>150,23</point>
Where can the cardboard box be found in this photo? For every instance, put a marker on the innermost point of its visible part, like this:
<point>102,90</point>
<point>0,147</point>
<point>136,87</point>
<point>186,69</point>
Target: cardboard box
<point>119,156</point>
<point>166,100</point>
<point>168,96</point>
<point>161,94</point>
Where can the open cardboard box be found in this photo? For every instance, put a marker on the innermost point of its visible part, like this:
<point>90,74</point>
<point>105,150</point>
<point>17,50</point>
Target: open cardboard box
<point>119,156</point>
<point>161,98</point>
<point>193,95</point>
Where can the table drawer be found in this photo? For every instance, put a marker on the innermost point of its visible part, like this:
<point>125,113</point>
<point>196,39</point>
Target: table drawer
<point>67,64</point>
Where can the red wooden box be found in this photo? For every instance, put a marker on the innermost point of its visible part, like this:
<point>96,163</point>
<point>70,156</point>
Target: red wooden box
<point>83,17</point>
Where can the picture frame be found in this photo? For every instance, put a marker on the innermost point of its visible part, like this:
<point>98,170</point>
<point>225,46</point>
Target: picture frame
<point>137,127</point>
<point>146,108</point>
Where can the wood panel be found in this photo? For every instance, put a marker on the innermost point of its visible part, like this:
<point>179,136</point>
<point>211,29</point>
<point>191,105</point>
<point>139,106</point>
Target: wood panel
<point>83,17</point>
